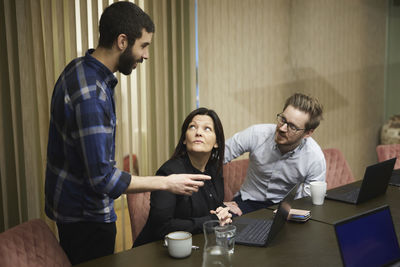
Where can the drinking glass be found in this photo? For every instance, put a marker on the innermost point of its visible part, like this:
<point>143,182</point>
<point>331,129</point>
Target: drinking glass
<point>225,236</point>
<point>214,254</point>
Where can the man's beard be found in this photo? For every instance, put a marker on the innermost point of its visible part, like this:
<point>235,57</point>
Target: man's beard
<point>287,142</point>
<point>126,61</point>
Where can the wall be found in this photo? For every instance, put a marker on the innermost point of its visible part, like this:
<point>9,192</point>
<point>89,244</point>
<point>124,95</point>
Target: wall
<point>254,54</point>
<point>392,106</point>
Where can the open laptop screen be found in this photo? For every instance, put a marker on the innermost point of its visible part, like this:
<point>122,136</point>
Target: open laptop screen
<point>368,239</point>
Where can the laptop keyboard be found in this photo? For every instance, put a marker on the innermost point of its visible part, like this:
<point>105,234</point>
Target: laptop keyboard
<point>395,179</point>
<point>255,233</point>
<point>350,195</point>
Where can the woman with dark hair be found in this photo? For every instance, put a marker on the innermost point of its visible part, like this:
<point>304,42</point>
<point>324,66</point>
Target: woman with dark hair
<point>200,151</point>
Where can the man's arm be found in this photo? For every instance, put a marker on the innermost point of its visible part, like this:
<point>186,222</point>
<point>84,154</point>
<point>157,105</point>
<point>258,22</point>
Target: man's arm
<point>182,184</point>
<point>238,144</point>
<point>317,172</point>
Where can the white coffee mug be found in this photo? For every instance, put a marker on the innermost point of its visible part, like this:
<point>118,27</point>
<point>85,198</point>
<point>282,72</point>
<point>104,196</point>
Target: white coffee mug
<point>179,244</point>
<point>318,192</point>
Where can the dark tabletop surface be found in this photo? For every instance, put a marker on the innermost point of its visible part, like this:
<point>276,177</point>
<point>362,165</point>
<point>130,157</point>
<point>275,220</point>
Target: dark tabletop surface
<point>298,244</point>
<point>312,243</point>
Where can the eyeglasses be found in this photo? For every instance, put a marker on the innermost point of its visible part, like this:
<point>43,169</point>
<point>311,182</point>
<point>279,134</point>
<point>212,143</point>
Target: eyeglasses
<point>290,126</point>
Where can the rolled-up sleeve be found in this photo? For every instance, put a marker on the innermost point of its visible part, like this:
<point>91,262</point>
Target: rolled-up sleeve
<point>317,172</point>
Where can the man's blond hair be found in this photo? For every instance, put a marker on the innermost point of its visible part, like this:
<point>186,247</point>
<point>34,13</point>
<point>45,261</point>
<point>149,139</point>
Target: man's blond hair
<point>309,105</point>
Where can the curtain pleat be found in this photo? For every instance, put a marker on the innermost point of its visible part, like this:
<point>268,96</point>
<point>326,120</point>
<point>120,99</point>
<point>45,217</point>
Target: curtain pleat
<point>171,96</point>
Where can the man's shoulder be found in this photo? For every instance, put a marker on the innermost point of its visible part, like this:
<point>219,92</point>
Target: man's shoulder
<point>263,131</point>
<point>82,81</point>
<point>255,134</point>
<point>312,148</point>
<point>263,126</point>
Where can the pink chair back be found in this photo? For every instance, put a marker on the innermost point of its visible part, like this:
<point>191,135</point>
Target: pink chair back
<point>338,171</point>
<point>139,208</point>
<point>138,203</point>
<point>386,152</point>
<point>31,244</point>
<point>234,175</point>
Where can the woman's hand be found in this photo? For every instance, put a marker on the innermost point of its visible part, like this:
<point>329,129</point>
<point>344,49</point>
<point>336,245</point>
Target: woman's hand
<point>233,207</point>
<point>223,214</point>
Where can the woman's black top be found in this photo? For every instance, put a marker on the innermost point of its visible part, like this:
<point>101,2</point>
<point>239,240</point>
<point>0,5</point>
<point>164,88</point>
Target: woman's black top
<point>170,212</point>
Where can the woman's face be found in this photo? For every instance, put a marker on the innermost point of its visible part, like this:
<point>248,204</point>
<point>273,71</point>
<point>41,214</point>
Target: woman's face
<point>200,135</point>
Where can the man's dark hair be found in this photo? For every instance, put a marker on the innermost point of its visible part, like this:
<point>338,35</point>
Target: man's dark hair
<point>123,18</point>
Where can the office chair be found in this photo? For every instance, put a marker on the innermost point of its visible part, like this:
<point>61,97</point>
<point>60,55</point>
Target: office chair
<point>338,172</point>
<point>234,175</point>
<point>386,152</point>
<point>31,244</point>
<point>138,203</point>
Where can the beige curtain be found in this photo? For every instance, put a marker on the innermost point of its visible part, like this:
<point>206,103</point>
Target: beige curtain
<point>253,54</point>
<point>38,38</point>
<point>172,95</point>
<point>31,57</point>
<point>150,117</point>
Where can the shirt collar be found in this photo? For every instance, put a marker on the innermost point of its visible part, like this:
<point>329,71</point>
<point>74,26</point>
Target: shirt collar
<point>108,76</point>
<point>299,147</point>
<point>292,152</point>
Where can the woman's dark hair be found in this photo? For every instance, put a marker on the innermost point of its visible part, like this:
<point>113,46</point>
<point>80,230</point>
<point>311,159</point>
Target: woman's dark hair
<point>123,17</point>
<point>217,154</point>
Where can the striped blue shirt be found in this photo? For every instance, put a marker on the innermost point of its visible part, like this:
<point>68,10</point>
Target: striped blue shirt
<point>81,178</point>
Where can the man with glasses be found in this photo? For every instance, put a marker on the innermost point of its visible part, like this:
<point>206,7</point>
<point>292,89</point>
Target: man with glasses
<point>281,155</point>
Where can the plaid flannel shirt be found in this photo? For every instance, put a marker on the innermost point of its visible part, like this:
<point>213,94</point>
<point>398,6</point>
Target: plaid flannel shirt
<point>81,177</point>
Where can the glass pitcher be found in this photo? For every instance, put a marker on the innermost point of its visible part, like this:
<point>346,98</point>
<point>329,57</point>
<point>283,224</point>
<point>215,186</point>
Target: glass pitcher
<point>214,254</point>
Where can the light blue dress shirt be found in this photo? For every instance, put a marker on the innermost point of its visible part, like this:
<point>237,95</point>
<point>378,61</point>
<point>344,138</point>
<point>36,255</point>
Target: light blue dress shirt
<point>270,174</point>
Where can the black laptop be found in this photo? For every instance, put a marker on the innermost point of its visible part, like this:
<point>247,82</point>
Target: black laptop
<point>375,182</point>
<point>260,232</point>
<point>368,239</point>
<point>395,179</point>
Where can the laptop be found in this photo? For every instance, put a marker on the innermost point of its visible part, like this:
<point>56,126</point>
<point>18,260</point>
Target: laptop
<point>375,183</point>
<point>260,232</point>
<point>368,239</point>
<point>395,179</point>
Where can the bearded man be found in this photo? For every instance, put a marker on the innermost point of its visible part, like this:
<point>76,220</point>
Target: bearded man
<point>81,178</point>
